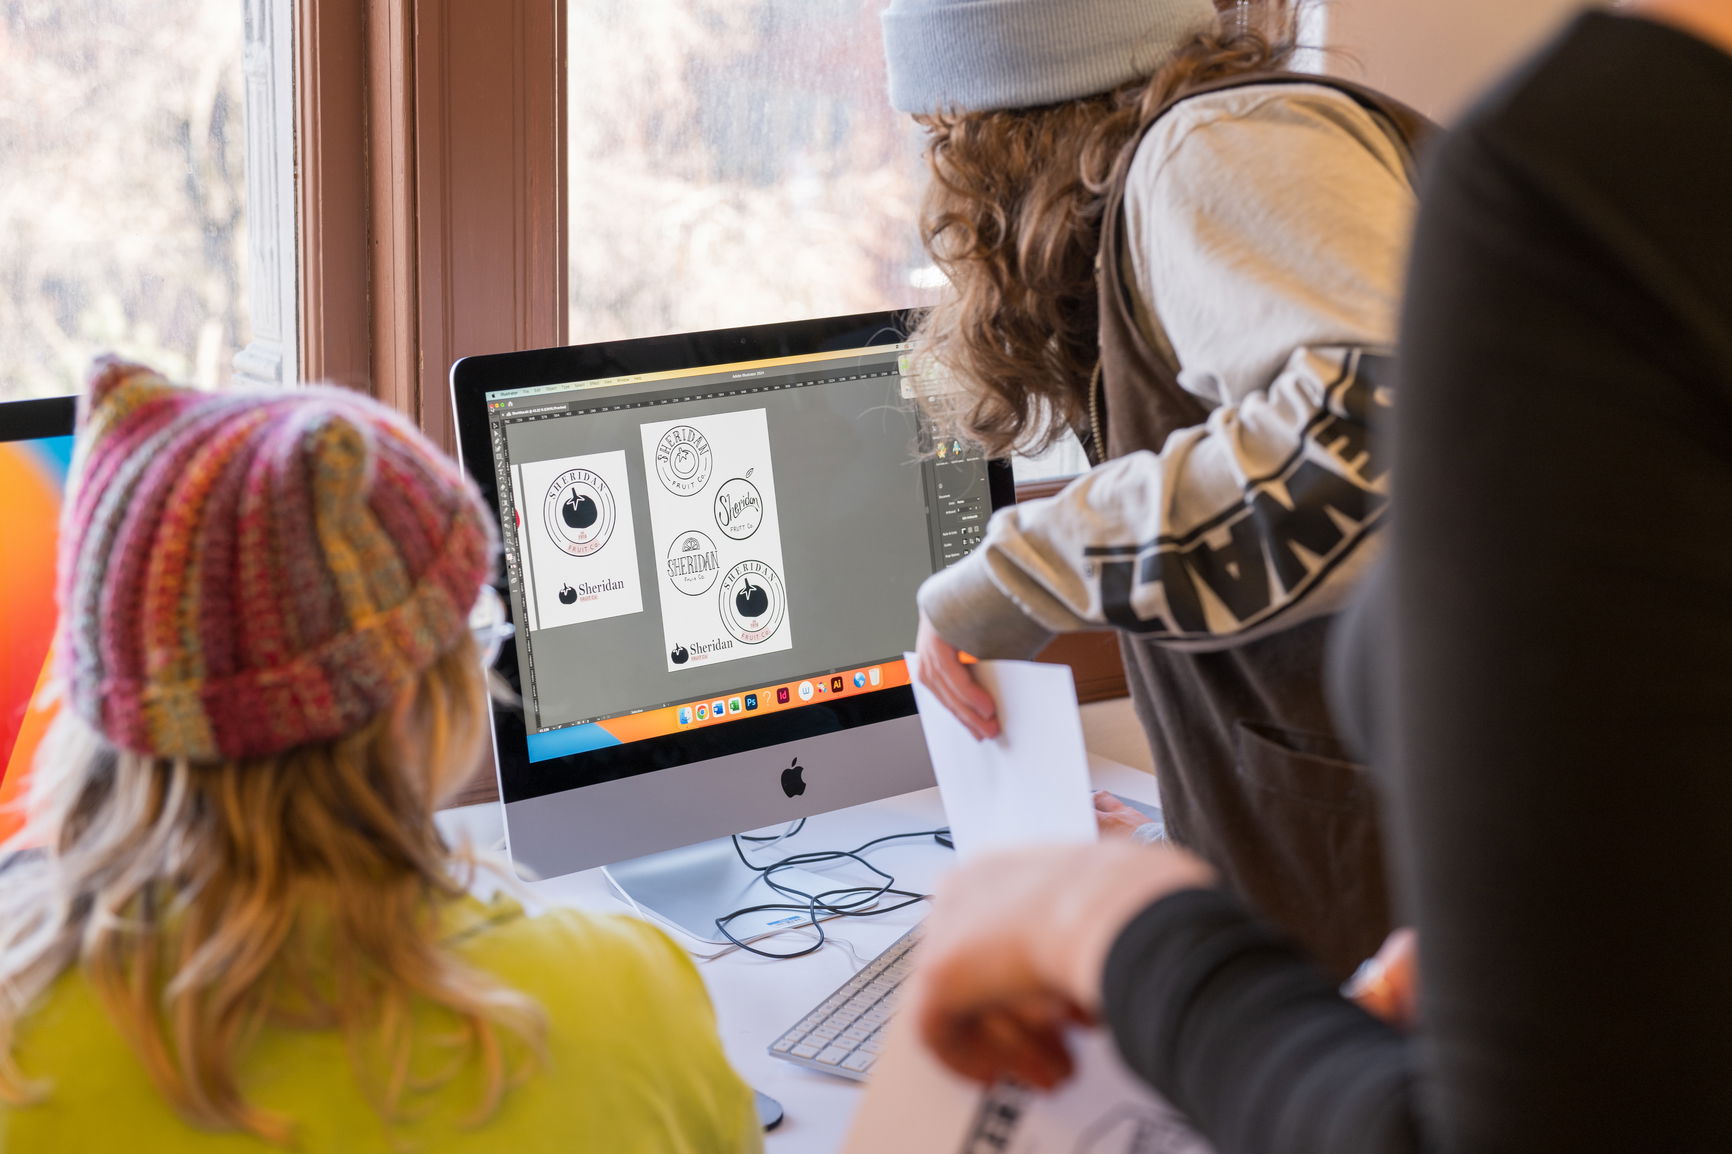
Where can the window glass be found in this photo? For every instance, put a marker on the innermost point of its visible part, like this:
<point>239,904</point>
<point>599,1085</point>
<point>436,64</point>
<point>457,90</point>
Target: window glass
<point>737,161</point>
<point>121,202</point>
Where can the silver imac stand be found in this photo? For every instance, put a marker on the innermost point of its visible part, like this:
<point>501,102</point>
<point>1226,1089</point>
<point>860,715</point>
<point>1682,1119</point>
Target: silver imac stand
<point>688,887</point>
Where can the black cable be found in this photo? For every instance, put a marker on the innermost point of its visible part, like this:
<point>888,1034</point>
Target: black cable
<point>812,904</point>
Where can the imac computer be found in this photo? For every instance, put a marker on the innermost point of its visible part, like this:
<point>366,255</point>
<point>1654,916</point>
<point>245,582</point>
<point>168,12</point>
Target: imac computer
<point>712,543</point>
<point>35,451</point>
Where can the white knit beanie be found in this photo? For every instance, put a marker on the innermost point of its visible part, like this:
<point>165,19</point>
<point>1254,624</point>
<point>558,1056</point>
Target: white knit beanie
<point>977,55</point>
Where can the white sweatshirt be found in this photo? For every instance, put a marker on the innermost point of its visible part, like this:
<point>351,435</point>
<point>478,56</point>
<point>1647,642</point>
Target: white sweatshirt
<point>1266,229</point>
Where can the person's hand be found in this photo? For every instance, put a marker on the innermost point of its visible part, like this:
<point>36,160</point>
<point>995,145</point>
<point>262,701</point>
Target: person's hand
<point>1013,952</point>
<point>1388,983</point>
<point>1114,817</point>
<point>953,683</point>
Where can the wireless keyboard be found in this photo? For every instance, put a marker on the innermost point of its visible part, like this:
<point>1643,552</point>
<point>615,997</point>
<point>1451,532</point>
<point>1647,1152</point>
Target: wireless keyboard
<point>843,1033</point>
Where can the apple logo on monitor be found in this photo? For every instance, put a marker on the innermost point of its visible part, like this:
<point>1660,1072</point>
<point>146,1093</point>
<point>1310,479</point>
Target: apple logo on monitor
<point>792,783</point>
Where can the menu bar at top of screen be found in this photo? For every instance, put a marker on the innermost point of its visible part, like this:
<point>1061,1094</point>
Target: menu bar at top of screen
<point>715,372</point>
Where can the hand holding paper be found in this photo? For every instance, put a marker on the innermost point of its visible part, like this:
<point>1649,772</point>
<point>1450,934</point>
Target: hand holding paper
<point>1027,786</point>
<point>1010,964</point>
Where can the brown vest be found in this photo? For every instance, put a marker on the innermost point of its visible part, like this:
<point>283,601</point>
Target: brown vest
<point>1252,774</point>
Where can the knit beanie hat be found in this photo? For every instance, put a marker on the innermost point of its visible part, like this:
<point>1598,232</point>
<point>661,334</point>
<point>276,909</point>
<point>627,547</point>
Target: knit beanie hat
<point>242,572</point>
<point>977,55</point>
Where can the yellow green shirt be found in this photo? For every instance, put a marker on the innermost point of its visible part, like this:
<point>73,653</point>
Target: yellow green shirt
<point>633,1062</point>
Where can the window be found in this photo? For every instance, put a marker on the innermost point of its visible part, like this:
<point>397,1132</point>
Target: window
<point>733,162</point>
<point>123,209</point>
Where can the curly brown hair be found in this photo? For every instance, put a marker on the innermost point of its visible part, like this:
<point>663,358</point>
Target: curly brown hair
<point>1012,216</point>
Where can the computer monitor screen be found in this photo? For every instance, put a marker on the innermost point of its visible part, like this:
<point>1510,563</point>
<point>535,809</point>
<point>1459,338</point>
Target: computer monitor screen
<point>35,450</point>
<point>712,544</point>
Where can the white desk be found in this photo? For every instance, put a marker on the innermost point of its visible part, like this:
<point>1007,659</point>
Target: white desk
<point>757,998</point>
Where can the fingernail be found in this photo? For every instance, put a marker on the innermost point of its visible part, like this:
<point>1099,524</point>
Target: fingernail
<point>1362,978</point>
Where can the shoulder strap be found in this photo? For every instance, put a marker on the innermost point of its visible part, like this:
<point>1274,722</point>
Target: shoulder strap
<point>1123,347</point>
<point>1412,126</point>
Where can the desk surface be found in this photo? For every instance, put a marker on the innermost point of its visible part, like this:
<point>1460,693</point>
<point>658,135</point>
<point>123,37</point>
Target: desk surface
<point>757,998</point>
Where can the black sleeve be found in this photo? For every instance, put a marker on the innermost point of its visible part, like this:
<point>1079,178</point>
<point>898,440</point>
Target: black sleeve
<point>1560,801</point>
<point>1250,1039</point>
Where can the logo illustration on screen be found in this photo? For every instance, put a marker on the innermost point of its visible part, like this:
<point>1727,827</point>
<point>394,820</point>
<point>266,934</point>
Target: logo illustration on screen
<point>792,783</point>
<point>859,681</point>
<point>679,655</point>
<point>751,702</point>
<point>739,508</point>
<point>782,695</point>
<point>684,460</point>
<point>579,513</point>
<point>836,684</point>
<point>752,602</point>
<point>693,564</point>
<point>567,595</point>
<point>703,713</point>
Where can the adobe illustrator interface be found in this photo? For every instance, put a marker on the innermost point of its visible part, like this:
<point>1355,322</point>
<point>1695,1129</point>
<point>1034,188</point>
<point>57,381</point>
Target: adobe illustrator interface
<point>726,542</point>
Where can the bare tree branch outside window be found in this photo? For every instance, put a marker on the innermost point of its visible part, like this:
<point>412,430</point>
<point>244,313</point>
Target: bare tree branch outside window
<point>122,215</point>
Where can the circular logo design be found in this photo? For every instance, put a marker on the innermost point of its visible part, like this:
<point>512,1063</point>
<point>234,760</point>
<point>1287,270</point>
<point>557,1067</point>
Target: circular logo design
<point>683,460</point>
<point>693,564</point>
<point>579,512</point>
<point>753,602</point>
<point>739,508</point>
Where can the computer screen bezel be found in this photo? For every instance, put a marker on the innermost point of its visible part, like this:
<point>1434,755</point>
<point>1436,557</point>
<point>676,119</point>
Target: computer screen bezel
<point>472,378</point>
<point>38,418</point>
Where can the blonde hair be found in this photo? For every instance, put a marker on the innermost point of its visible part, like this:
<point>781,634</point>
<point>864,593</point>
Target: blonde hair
<point>204,902</point>
<point>1012,216</point>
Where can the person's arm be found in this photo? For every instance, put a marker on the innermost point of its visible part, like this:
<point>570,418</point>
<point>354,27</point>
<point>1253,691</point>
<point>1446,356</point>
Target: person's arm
<point>1211,1006</point>
<point>1267,232</point>
<point>1256,1045</point>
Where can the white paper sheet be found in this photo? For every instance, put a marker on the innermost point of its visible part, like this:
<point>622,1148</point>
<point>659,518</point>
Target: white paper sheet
<point>575,514</point>
<point>1030,784</point>
<point>717,538</point>
<point>913,1105</point>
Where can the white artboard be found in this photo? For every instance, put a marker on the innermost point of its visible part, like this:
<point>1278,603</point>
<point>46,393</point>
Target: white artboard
<point>575,519</point>
<point>716,538</point>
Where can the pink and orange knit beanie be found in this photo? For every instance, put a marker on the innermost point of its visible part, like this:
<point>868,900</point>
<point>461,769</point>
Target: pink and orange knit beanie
<point>242,572</point>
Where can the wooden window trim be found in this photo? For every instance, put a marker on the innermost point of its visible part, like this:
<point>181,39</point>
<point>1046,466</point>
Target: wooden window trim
<point>432,191</point>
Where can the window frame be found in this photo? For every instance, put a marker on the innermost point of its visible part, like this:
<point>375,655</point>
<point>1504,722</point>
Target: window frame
<point>449,237</point>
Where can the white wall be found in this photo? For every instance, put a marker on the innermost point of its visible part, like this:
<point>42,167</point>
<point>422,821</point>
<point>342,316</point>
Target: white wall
<point>1435,54</point>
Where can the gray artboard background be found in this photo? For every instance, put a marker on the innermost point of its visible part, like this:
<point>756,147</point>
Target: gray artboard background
<point>854,538</point>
